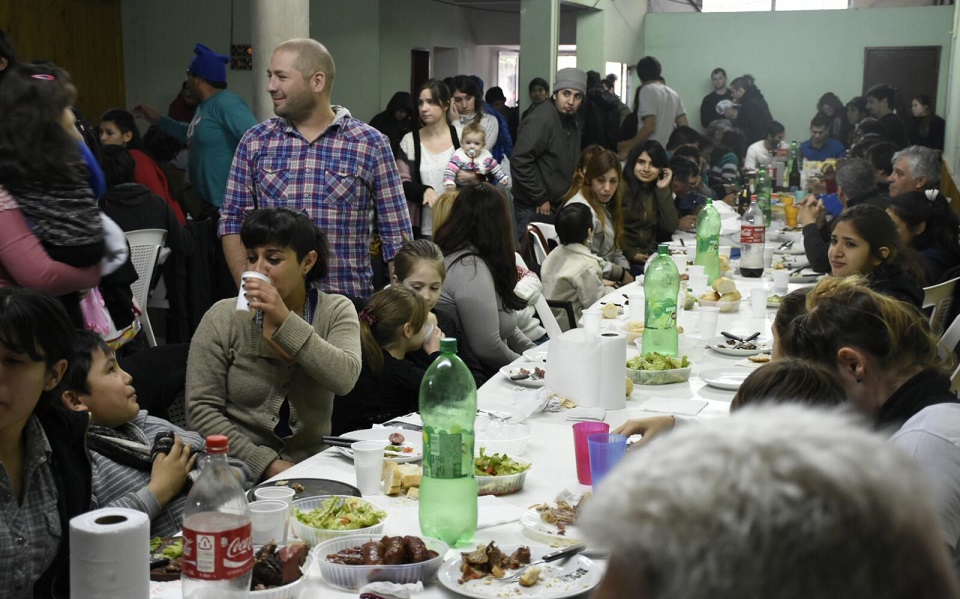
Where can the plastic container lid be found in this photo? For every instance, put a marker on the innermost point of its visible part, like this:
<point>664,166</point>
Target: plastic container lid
<point>217,444</point>
<point>448,345</point>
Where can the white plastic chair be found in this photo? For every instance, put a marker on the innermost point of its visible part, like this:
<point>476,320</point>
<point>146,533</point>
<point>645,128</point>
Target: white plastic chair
<point>947,346</point>
<point>540,246</point>
<point>145,245</point>
<point>940,298</point>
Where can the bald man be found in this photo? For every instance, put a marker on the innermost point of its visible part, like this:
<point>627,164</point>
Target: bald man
<point>317,158</point>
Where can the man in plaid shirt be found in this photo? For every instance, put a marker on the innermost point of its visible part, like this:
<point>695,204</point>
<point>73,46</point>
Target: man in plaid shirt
<point>317,158</point>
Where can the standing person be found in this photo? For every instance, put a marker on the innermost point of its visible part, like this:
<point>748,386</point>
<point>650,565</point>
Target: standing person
<point>427,149</point>
<point>659,108</point>
<point>601,115</point>
<point>926,128</point>
<point>478,292</point>
<point>648,208</point>
<point>220,120</point>
<point>547,148</point>
<point>8,54</point>
<point>538,90</point>
<point>831,108</point>
<point>762,153</point>
<point>856,112</point>
<point>316,157</point>
<point>718,100</point>
<point>751,114</point>
<point>881,101</point>
<point>397,120</point>
<point>468,107</point>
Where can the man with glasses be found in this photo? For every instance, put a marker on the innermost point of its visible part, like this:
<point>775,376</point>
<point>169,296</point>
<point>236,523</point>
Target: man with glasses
<point>220,120</point>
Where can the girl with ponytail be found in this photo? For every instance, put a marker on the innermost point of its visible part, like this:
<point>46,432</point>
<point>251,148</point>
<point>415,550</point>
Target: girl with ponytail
<point>926,224</point>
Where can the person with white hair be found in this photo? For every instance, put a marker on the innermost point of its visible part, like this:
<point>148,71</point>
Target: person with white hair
<point>915,168</point>
<point>779,502</point>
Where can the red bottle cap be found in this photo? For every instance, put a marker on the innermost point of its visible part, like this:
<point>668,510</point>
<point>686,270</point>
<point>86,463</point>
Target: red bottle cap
<point>217,444</point>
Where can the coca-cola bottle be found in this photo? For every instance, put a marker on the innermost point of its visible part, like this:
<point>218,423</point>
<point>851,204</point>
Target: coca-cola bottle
<point>217,559</point>
<point>752,239</point>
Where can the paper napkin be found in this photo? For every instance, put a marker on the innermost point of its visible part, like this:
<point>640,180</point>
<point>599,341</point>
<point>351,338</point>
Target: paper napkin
<point>493,511</point>
<point>684,407</point>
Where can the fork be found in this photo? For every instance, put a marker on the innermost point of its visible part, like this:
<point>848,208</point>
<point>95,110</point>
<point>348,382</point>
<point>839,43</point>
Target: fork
<point>747,340</point>
<point>550,557</point>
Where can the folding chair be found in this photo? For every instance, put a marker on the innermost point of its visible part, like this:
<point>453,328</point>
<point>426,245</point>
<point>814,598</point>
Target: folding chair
<point>940,299</point>
<point>145,245</point>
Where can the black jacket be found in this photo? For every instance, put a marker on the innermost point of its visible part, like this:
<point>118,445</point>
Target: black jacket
<point>892,280</point>
<point>66,432</point>
<point>753,116</point>
<point>544,156</point>
<point>816,241</point>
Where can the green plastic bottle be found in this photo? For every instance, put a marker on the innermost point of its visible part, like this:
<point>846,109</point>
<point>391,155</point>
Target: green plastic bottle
<point>708,241</point>
<point>661,284</point>
<point>764,187</point>
<point>448,489</point>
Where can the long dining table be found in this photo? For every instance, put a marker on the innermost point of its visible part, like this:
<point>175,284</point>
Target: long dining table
<point>550,448</point>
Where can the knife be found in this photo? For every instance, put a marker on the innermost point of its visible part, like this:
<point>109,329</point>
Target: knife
<point>731,336</point>
<point>747,340</point>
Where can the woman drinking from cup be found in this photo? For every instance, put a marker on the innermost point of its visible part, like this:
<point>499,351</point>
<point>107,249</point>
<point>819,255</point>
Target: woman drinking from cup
<point>268,382</point>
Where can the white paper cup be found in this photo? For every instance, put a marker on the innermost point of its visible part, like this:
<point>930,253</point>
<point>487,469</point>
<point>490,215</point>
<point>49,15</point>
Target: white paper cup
<point>637,305</point>
<point>681,261</point>
<point>692,252</point>
<point>699,284</point>
<point>368,463</point>
<point>696,269</point>
<point>708,321</point>
<point>768,255</point>
<point>781,280</point>
<point>758,302</point>
<point>284,494</point>
<point>243,306</point>
<point>591,322</point>
<point>269,521</point>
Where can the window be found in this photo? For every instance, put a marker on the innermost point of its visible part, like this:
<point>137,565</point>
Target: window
<point>768,5</point>
<point>508,71</point>
<point>566,57</point>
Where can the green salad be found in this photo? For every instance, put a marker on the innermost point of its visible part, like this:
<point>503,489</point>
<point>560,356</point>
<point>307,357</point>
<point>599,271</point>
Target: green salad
<point>657,361</point>
<point>353,514</point>
<point>173,551</point>
<point>497,464</point>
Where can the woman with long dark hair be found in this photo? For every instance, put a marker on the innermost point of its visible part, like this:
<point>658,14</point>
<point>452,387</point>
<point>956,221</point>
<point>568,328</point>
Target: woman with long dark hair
<point>830,106</point>
<point>481,274</point>
<point>468,108</point>
<point>925,128</point>
<point>649,212</point>
<point>927,225</point>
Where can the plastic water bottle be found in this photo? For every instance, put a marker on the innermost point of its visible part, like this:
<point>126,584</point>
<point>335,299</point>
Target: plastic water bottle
<point>752,239</point>
<point>448,408</point>
<point>708,241</point>
<point>764,187</point>
<point>661,284</point>
<point>217,559</point>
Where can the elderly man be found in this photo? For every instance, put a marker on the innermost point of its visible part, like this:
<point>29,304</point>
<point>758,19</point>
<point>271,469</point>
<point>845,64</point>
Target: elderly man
<point>317,158</point>
<point>821,146</point>
<point>782,502</point>
<point>547,148</point>
<point>914,169</point>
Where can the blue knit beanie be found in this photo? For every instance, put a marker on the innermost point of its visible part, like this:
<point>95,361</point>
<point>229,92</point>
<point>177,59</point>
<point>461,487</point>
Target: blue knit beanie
<point>209,65</point>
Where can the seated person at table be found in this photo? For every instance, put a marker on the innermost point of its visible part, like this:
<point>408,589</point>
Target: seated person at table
<point>821,146</point>
<point>571,272</point>
<point>914,169</point>
<point>855,185</point>
<point>44,467</point>
<point>775,502</point>
<point>268,382</point>
<point>687,196</point>
<point>131,467</point>
<point>927,225</point>
<point>725,160</point>
<point>762,153</point>
<point>393,323</point>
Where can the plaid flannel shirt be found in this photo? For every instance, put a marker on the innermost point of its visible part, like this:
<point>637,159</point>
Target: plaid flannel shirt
<point>346,181</point>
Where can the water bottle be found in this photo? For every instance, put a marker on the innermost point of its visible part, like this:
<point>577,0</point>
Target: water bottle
<point>661,284</point>
<point>708,241</point>
<point>448,489</point>
<point>763,194</point>
<point>752,239</point>
<point>217,559</point>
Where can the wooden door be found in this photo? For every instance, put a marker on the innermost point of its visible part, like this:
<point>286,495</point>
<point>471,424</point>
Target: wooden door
<point>419,70</point>
<point>911,71</point>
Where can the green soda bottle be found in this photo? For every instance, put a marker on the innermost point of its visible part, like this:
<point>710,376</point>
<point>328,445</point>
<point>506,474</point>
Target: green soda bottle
<point>764,186</point>
<point>708,241</point>
<point>661,284</point>
<point>448,489</point>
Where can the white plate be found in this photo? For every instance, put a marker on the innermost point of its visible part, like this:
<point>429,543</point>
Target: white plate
<point>541,530</point>
<point>514,369</point>
<point>719,345</point>
<point>805,276</point>
<point>725,378</point>
<point>794,250</point>
<point>412,439</point>
<point>511,413</point>
<point>548,587</point>
<point>536,354</point>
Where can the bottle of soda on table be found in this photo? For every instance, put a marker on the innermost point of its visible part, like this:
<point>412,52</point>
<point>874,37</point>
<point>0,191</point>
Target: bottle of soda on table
<point>763,194</point>
<point>661,284</point>
<point>448,489</point>
<point>752,239</point>
<point>217,560</point>
<point>708,241</point>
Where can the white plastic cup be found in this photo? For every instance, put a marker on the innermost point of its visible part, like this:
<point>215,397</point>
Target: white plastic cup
<point>781,280</point>
<point>691,252</point>
<point>268,520</point>
<point>696,269</point>
<point>591,322</point>
<point>768,255</point>
<point>284,494</point>
<point>243,305</point>
<point>681,261</point>
<point>758,302</point>
<point>699,284</point>
<point>708,321</point>
<point>368,463</point>
<point>637,305</point>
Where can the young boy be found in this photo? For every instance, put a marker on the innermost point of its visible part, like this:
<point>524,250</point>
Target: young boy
<point>129,469</point>
<point>571,271</point>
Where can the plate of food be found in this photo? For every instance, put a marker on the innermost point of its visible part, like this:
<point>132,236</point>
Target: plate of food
<point>474,574</point>
<point>351,562</point>
<point>805,275</point>
<point>774,300</point>
<point>536,354</point>
<point>794,249</point>
<point>554,522</point>
<point>729,379</point>
<point>728,347</point>
<point>165,553</point>
<point>403,445</point>
<point>308,487</point>
<point>525,374</point>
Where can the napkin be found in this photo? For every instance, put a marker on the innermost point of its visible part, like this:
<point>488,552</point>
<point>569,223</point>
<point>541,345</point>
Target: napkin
<point>597,414</point>
<point>493,511</point>
<point>685,407</point>
<point>391,589</point>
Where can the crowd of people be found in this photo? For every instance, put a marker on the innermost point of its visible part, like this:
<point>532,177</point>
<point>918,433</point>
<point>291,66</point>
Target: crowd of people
<point>371,242</point>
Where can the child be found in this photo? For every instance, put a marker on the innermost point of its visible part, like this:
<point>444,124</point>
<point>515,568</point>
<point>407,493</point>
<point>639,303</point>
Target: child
<point>473,157</point>
<point>393,324</point>
<point>572,272</point>
<point>133,466</point>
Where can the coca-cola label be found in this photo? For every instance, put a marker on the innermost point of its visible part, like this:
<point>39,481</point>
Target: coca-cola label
<point>217,555</point>
<point>750,234</point>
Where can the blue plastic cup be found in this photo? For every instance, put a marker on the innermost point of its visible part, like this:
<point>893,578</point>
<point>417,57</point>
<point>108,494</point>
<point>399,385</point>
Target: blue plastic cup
<point>606,449</point>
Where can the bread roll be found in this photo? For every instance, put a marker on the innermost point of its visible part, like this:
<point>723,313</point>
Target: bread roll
<point>733,296</point>
<point>410,475</point>
<point>629,386</point>
<point>711,296</point>
<point>724,285</point>
<point>611,310</point>
<point>391,479</point>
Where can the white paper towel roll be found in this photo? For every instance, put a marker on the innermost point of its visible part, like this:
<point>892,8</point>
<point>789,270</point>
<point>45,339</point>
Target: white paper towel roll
<point>110,554</point>
<point>612,370</point>
<point>573,359</point>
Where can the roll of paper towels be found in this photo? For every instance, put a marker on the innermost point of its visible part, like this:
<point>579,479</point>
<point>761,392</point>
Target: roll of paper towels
<point>572,362</point>
<point>612,370</point>
<point>110,554</point>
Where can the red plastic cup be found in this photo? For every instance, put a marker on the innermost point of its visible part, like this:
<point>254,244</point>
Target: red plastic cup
<point>581,431</point>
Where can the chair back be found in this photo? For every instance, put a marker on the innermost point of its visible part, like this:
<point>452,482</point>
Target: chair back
<point>539,242</point>
<point>145,247</point>
<point>547,319</point>
<point>940,298</point>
